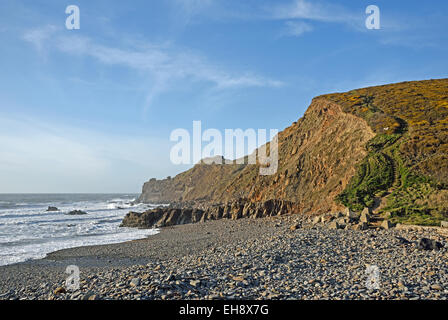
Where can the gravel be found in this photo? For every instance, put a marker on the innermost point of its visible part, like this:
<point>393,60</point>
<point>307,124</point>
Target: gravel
<point>269,258</point>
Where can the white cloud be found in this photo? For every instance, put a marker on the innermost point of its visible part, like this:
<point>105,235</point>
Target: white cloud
<point>298,15</point>
<point>297,28</point>
<point>165,64</point>
<point>317,11</point>
<point>39,35</point>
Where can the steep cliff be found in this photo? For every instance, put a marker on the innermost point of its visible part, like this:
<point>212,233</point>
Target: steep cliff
<point>349,149</point>
<point>317,157</point>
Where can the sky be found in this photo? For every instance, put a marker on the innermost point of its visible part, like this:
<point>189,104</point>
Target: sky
<point>91,110</point>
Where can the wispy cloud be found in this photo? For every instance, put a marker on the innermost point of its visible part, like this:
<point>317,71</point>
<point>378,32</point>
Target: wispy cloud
<point>297,28</point>
<point>39,36</point>
<point>165,64</point>
<point>315,11</point>
<point>318,11</point>
<point>189,9</point>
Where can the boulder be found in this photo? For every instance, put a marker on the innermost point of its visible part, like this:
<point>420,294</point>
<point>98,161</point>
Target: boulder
<point>366,211</point>
<point>77,213</point>
<point>444,224</point>
<point>316,220</point>
<point>351,214</point>
<point>365,215</point>
<point>386,224</point>
<point>387,215</point>
<point>52,209</point>
<point>428,244</point>
<point>334,225</point>
<point>361,226</point>
<point>326,218</point>
<point>364,218</point>
<point>343,220</point>
<point>347,212</point>
<point>338,214</point>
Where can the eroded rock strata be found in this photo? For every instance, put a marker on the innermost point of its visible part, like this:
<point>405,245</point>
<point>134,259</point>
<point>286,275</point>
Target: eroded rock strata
<point>169,216</point>
<point>317,157</point>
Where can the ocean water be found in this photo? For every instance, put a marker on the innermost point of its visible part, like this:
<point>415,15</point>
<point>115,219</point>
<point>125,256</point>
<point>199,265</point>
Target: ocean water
<point>28,231</point>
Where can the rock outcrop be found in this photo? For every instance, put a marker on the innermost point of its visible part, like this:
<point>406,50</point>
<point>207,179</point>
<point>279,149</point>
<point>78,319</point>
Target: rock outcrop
<point>77,213</point>
<point>169,216</point>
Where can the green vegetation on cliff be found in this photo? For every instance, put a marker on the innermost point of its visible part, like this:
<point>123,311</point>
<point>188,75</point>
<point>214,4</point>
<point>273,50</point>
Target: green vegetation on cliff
<point>407,160</point>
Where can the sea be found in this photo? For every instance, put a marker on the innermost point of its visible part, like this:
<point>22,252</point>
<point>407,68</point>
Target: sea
<point>28,231</point>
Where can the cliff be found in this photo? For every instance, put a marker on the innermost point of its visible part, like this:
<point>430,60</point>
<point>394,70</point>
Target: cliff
<point>317,157</point>
<point>385,145</point>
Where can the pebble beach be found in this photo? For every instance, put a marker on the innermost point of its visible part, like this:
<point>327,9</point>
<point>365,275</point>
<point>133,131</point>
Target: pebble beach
<point>269,258</point>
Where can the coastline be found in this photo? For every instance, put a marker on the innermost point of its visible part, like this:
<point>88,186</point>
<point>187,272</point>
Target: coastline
<point>243,259</point>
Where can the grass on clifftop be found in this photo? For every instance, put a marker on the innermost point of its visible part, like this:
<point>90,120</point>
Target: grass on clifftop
<point>408,157</point>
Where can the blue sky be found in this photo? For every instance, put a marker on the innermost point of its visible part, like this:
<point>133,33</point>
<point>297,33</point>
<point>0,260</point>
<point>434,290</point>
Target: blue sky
<point>91,110</point>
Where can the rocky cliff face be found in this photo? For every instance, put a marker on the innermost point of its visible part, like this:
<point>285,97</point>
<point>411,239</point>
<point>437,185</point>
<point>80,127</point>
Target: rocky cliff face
<point>349,149</point>
<point>317,157</point>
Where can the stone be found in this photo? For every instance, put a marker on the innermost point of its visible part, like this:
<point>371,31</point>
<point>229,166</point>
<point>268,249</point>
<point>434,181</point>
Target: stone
<point>444,224</point>
<point>361,226</point>
<point>295,227</point>
<point>386,224</point>
<point>195,283</point>
<point>403,240</point>
<point>52,209</point>
<point>170,277</point>
<point>77,212</point>
<point>387,215</point>
<point>90,296</point>
<point>334,225</point>
<point>343,220</point>
<point>316,220</point>
<point>135,282</point>
<point>59,290</point>
<point>326,218</point>
<point>366,211</point>
<point>347,212</point>
<point>338,214</point>
<point>351,214</point>
<point>428,244</point>
<point>365,215</point>
<point>238,279</point>
<point>437,287</point>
